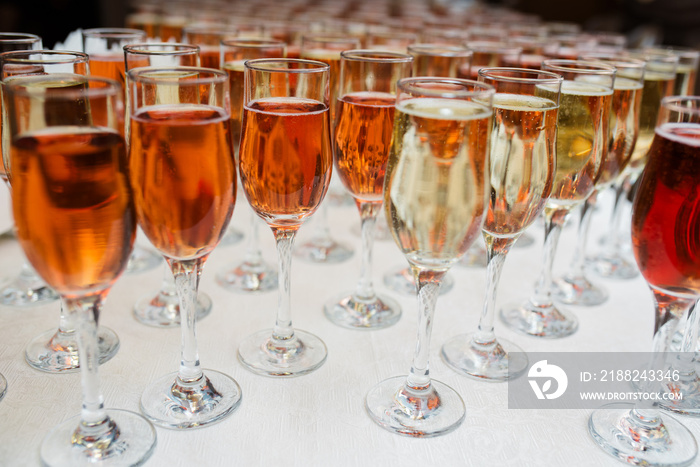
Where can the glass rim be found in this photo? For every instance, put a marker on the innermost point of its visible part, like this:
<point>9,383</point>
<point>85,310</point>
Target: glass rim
<point>493,46</point>
<point>553,78</point>
<point>254,64</point>
<point>119,32</point>
<point>16,86</point>
<point>252,42</point>
<point>209,28</point>
<point>144,48</point>
<point>329,37</point>
<point>13,56</point>
<point>656,56</point>
<point>19,37</point>
<point>375,56</point>
<point>480,89</point>
<point>673,103</point>
<point>605,57</point>
<point>576,66</point>
<point>215,75</point>
<point>440,50</point>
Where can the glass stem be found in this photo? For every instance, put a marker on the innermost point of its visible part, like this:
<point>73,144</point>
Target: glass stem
<point>554,220</point>
<point>253,255</point>
<point>85,311</point>
<point>428,290</point>
<point>186,274</point>
<point>579,260</point>
<point>611,243</point>
<point>496,250</point>
<point>368,216</point>
<point>323,230</point>
<point>284,239</point>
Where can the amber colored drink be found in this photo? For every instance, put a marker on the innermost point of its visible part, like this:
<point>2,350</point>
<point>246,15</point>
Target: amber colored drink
<point>285,158</point>
<point>73,206</point>
<point>108,66</point>
<point>209,56</point>
<point>234,70</point>
<point>184,177</point>
<point>363,133</point>
<point>666,211</point>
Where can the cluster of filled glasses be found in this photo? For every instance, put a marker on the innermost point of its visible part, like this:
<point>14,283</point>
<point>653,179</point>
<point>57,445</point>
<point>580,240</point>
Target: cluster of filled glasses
<point>427,117</point>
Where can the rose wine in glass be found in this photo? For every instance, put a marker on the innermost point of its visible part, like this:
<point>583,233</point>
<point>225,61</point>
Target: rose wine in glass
<point>582,144</point>
<point>184,202</point>
<point>55,350</point>
<point>435,195</point>
<point>71,192</point>
<point>522,164</point>
<point>665,241</point>
<point>285,168</point>
<point>363,136</point>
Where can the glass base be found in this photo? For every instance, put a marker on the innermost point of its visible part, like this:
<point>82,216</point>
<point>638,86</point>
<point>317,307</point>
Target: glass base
<point>3,386</point>
<point>231,237</point>
<point>248,277</point>
<point>499,361</point>
<point>402,281</point>
<point>690,402</point>
<point>323,251</point>
<point>132,442</point>
<point>613,266</point>
<point>546,321</point>
<point>578,291</point>
<point>163,309</point>
<point>26,291</point>
<point>475,257</point>
<point>301,354</point>
<point>351,312</point>
<point>422,414</point>
<point>171,403</point>
<point>58,353</point>
<point>142,259</point>
<point>670,444</point>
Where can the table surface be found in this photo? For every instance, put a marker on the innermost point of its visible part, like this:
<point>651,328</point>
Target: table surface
<point>319,419</point>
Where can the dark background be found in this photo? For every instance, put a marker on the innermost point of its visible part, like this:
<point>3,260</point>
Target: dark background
<point>667,22</point>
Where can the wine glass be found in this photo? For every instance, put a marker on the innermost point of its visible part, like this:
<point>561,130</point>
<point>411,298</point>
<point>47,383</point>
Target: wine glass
<point>184,201</point>
<point>285,168</point>
<point>582,143</point>
<point>430,60</point>
<point>363,135</point>
<point>659,79</point>
<point>208,37</point>
<point>105,48</point>
<point>522,165</point>
<point>326,48</point>
<point>391,41</point>
<point>253,274</point>
<point>441,145</point>
<point>687,69</point>
<point>664,240</point>
<point>71,193</point>
<point>26,289</point>
<point>162,308</point>
<point>574,287</point>
<point>55,350</point>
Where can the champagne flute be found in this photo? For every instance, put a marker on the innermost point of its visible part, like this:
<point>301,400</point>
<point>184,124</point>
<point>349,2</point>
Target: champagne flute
<point>575,287</point>
<point>582,143</point>
<point>363,136</point>
<point>26,289</point>
<point>430,60</point>
<point>71,193</point>
<point>665,236</point>
<point>208,37</point>
<point>105,48</point>
<point>436,197</point>
<point>687,69</point>
<point>253,274</point>
<point>285,161</point>
<point>522,166</point>
<point>326,47</point>
<point>659,79</point>
<point>162,309</point>
<point>184,201</point>
<point>55,350</point>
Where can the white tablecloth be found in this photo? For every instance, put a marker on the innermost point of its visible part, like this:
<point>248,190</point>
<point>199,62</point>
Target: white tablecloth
<point>319,419</point>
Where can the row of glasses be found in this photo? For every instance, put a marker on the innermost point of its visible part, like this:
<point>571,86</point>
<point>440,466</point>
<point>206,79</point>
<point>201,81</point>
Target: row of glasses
<point>55,350</point>
<point>27,288</point>
<point>71,192</point>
